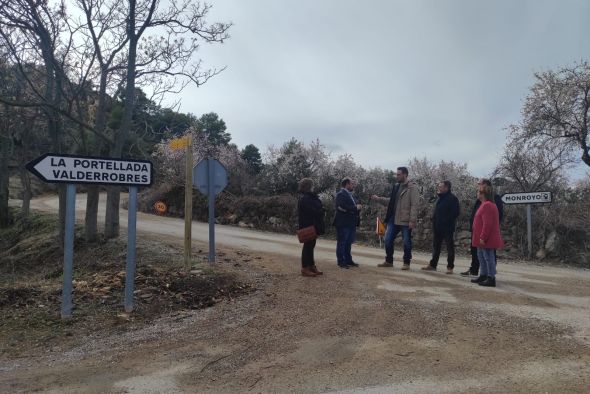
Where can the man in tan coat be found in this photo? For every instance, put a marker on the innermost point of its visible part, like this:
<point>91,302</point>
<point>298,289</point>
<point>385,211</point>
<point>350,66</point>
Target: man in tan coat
<point>401,217</point>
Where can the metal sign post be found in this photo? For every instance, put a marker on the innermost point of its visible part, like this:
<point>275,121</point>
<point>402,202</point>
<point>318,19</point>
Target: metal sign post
<point>131,236</point>
<point>528,199</point>
<point>72,170</point>
<point>211,198</point>
<point>66,295</point>
<point>529,229</point>
<point>210,177</point>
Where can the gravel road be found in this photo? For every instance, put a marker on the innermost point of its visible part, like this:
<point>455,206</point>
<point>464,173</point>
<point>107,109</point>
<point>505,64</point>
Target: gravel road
<point>366,329</point>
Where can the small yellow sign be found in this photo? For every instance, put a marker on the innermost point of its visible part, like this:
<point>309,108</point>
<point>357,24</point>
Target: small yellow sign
<point>179,143</point>
<point>160,207</point>
<point>380,229</point>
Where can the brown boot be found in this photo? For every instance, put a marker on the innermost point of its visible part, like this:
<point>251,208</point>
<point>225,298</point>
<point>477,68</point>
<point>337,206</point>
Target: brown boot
<point>306,271</point>
<point>385,264</point>
<point>315,270</point>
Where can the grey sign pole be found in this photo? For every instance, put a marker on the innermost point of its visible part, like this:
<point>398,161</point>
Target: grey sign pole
<point>210,177</point>
<point>211,197</point>
<point>529,227</point>
<point>131,236</point>
<point>66,297</point>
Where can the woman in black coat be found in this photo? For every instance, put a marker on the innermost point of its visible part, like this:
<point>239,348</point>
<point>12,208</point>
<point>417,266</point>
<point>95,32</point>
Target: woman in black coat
<point>311,213</point>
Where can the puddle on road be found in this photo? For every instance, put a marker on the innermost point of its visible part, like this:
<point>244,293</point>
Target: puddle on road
<point>164,381</point>
<point>428,294</point>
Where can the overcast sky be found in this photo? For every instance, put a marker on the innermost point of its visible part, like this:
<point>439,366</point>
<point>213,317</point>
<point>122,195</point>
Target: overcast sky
<point>385,80</point>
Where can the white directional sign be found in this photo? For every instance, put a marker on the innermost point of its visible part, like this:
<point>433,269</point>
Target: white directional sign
<point>60,168</point>
<point>527,198</point>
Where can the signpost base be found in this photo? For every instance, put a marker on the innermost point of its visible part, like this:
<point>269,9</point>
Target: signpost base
<point>529,228</point>
<point>66,297</point>
<point>131,236</point>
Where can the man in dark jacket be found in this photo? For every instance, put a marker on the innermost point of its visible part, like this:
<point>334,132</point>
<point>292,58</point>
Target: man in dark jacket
<point>345,222</point>
<point>444,221</point>
<point>474,269</point>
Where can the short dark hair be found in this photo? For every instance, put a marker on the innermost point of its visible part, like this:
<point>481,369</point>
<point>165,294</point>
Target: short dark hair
<point>404,170</point>
<point>448,184</point>
<point>305,185</point>
<point>345,181</point>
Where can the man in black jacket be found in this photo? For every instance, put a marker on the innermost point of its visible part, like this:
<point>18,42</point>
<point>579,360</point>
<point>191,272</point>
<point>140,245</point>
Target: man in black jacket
<point>444,221</point>
<point>474,269</point>
<point>345,222</point>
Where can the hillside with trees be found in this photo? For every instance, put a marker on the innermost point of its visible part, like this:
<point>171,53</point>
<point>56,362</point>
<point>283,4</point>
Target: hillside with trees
<point>90,79</point>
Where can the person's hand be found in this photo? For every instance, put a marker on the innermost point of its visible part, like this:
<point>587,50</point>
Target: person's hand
<point>359,206</point>
<point>482,242</point>
<point>411,225</point>
<point>374,197</point>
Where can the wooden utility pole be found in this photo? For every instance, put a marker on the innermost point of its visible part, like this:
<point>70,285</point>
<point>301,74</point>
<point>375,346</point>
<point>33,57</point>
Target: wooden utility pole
<point>188,202</point>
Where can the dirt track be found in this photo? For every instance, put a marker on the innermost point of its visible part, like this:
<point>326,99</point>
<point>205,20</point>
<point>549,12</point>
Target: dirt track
<point>366,329</point>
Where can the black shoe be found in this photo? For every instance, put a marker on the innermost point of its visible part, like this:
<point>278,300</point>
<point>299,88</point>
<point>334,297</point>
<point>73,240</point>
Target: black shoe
<point>352,264</point>
<point>343,266</point>
<point>489,282</point>
<point>468,273</point>
<point>479,279</point>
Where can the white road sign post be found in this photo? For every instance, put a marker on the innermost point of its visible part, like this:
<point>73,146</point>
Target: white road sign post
<point>72,170</point>
<point>210,177</point>
<point>528,199</point>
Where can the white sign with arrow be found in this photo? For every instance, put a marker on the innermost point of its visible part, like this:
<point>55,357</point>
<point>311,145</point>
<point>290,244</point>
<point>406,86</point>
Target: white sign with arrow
<point>527,198</point>
<point>72,170</point>
<point>60,168</point>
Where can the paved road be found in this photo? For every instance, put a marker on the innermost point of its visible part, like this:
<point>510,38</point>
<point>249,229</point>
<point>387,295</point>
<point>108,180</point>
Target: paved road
<point>383,335</point>
<point>230,236</point>
<point>574,309</point>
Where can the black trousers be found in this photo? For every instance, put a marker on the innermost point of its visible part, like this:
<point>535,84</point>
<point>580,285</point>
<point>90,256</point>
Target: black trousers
<point>475,261</point>
<point>307,254</point>
<point>437,240</point>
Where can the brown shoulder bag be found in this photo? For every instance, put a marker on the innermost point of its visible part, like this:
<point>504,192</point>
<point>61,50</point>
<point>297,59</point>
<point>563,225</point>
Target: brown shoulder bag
<point>307,234</point>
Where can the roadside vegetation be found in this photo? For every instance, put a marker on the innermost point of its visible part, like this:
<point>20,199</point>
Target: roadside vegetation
<point>31,265</point>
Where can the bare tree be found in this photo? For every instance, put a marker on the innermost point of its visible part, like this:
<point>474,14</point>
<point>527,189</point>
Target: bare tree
<point>110,51</point>
<point>558,109</point>
<point>531,165</point>
<point>38,41</point>
<point>144,43</point>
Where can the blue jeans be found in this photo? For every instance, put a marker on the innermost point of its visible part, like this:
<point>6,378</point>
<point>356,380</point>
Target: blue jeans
<point>345,236</point>
<point>487,262</point>
<point>392,231</point>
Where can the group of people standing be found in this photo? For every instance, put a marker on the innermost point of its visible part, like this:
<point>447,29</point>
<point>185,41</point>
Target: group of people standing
<point>401,218</point>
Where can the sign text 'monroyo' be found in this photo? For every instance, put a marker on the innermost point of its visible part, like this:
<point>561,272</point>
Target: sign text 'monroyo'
<point>527,198</point>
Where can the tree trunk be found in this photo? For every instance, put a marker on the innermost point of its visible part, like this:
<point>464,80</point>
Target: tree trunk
<point>25,181</point>
<point>93,196</point>
<point>111,229</point>
<point>5,216</point>
<point>91,220</point>
<point>586,155</point>
<point>111,224</point>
